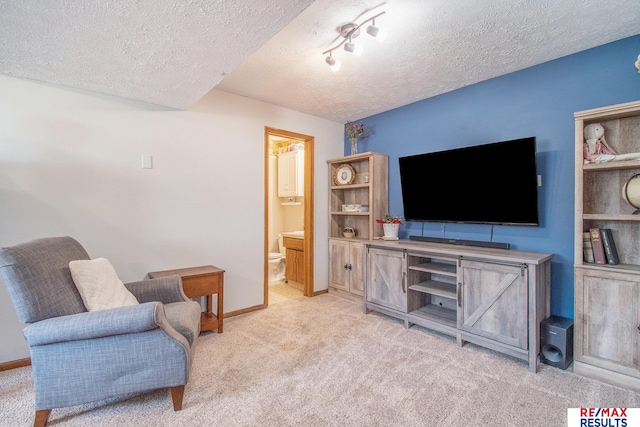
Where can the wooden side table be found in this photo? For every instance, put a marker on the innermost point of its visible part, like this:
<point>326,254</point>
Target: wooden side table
<point>201,281</point>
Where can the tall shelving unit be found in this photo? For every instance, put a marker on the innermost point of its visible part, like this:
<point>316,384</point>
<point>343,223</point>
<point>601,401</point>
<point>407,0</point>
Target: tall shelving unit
<point>607,297</point>
<point>371,167</point>
<point>369,187</point>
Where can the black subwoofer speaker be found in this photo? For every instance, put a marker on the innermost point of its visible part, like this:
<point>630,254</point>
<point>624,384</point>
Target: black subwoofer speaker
<point>556,341</point>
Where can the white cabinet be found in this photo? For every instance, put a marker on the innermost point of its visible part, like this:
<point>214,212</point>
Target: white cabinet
<point>291,174</point>
<point>495,298</point>
<point>347,261</point>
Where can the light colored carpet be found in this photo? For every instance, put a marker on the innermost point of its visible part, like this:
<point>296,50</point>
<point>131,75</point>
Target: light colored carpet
<point>322,362</point>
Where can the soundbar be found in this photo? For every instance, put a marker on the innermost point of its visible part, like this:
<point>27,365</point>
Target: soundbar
<point>462,242</point>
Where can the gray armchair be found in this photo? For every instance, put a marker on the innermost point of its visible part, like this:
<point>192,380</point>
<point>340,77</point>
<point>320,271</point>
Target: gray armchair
<point>79,356</point>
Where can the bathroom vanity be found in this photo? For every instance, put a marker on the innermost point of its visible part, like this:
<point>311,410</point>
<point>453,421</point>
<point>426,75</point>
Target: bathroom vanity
<point>293,241</point>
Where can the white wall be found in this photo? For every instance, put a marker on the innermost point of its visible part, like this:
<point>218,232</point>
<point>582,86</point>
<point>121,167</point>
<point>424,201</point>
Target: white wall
<point>70,164</point>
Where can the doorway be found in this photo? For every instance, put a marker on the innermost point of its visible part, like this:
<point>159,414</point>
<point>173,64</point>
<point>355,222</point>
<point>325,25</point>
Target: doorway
<point>307,142</point>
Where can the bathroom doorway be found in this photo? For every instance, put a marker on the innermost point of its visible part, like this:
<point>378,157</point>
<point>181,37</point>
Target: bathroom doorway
<point>277,231</point>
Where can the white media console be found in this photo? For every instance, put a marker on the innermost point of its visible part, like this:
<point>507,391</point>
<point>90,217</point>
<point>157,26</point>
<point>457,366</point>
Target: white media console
<point>491,297</point>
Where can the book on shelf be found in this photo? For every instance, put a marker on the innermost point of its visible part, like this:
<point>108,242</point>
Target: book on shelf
<point>598,246</point>
<point>587,248</point>
<point>610,251</point>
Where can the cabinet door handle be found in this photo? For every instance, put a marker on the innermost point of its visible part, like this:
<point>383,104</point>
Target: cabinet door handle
<point>639,327</point>
<point>459,294</point>
<point>346,266</point>
<point>404,280</point>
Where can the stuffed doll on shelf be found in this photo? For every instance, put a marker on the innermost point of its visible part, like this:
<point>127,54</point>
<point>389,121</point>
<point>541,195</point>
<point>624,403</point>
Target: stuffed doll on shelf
<point>596,149</point>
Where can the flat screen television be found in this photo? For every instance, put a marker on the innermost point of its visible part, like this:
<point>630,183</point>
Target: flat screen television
<point>493,183</point>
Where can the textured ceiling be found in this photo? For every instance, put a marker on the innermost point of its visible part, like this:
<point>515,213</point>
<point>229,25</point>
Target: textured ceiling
<point>172,53</point>
<point>163,52</point>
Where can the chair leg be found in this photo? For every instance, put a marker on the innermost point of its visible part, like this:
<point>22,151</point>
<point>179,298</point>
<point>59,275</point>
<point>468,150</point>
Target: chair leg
<point>176,394</point>
<point>42,416</point>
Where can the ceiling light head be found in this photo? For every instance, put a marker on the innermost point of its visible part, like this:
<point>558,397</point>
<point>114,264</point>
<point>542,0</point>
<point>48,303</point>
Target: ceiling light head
<point>356,48</point>
<point>372,30</point>
<point>333,63</point>
<point>379,33</point>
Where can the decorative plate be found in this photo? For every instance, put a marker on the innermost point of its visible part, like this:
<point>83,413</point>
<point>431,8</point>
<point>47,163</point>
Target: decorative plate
<point>344,174</point>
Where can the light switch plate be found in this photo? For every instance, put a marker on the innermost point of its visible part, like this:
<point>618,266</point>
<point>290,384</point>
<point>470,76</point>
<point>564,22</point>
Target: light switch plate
<point>147,162</point>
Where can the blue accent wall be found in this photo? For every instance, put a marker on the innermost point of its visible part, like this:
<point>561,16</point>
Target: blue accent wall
<point>538,101</point>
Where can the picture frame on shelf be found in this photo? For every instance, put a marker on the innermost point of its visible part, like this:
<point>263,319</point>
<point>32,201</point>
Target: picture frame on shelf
<point>344,174</point>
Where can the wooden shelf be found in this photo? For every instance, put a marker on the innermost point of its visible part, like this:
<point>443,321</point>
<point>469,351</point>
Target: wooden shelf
<point>618,268</point>
<point>447,290</point>
<point>437,313</point>
<point>350,213</point>
<point>435,267</point>
<point>610,217</point>
<point>349,186</point>
<point>626,164</point>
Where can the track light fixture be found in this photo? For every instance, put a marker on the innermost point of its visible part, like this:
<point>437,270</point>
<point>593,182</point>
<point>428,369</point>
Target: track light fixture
<point>349,32</point>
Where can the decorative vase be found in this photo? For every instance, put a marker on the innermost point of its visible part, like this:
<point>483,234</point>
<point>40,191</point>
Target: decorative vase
<point>391,231</point>
<point>354,145</point>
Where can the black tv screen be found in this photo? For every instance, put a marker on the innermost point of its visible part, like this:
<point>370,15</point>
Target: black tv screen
<point>486,184</point>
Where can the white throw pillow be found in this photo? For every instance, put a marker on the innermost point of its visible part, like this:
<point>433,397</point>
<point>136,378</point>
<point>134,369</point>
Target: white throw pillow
<point>99,285</point>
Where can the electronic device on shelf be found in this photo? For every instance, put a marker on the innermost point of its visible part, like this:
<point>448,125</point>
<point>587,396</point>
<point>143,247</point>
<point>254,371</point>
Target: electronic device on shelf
<point>493,183</point>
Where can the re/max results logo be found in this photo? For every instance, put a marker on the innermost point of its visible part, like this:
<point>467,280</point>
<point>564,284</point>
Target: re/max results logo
<point>603,417</point>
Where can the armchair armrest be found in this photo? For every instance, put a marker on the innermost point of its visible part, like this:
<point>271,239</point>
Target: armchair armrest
<point>96,324</point>
<point>164,289</point>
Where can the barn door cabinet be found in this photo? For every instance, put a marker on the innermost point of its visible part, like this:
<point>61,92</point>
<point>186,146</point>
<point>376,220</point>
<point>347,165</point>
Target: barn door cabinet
<point>606,296</point>
<point>495,298</point>
<point>386,285</point>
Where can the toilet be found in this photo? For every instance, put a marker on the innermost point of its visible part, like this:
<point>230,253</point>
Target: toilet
<point>277,263</point>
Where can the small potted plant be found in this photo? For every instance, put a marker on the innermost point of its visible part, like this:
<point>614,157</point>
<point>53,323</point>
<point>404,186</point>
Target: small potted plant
<point>391,225</point>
